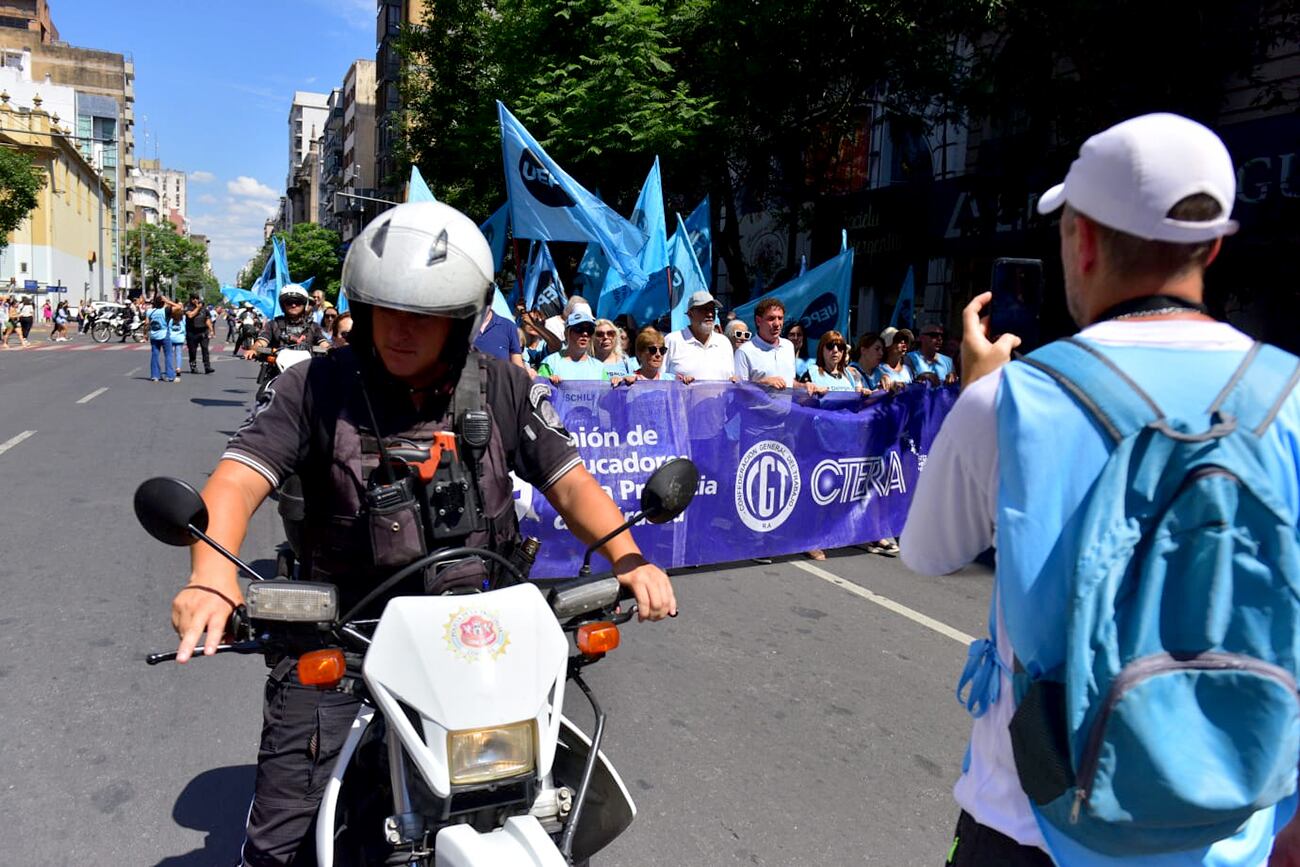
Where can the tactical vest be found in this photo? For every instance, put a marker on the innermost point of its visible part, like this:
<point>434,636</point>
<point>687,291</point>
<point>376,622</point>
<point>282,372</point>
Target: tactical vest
<point>289,334</point>
<point>339,544</point>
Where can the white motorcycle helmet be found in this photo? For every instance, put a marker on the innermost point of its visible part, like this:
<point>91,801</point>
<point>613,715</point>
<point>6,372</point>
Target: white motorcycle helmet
<point>294,290</point>
<point>420,257</point>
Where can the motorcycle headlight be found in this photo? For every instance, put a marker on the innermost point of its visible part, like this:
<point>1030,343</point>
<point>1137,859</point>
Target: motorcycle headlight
<point>495,753</point>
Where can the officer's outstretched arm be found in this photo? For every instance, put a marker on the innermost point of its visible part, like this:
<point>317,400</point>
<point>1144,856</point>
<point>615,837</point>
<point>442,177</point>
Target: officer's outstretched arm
<point>232,494</point>
<point>590,514</point>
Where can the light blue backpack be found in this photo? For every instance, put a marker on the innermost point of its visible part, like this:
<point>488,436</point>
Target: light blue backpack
<point>1175,716</point>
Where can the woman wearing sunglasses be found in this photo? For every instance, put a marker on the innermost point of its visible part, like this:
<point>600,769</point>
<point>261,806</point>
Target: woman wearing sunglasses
<point>608,350</point>
<point>831,371</point>
<point>650,352</point>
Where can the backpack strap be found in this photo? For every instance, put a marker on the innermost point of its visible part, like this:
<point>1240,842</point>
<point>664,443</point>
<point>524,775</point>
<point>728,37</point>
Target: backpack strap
<point>1263,381</point>
<point>1116,403</point>
<point>470,386</point>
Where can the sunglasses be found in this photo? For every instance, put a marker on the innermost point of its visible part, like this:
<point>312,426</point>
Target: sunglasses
<point>344,334</point>
<point>741,335</point>
<point>838,347</point>
<point>293,303</point>
<point>584,330</point>
<point>655,350</point>
<point>606,333</point>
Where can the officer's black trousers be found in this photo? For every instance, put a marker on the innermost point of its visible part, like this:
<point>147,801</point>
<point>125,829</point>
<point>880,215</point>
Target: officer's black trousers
<point>303,730</point>
<point>196,343</point>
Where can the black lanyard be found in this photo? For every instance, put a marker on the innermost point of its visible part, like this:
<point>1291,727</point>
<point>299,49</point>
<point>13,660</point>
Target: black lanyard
<point>1150,304</point>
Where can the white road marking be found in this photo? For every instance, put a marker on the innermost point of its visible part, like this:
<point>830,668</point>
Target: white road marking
<point>94,394</point>
<point>13,441</point>
<point>885,602</point>
<point>133,371</point>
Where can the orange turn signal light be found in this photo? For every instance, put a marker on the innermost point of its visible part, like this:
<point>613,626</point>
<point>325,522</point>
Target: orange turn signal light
<point>322,667</point>
<point>593,639</point>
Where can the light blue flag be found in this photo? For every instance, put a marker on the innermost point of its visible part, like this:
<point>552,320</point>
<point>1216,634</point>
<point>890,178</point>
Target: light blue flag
<point>688,276</point>
<point>548,205</point>
<point>593,269</point>
<point>649,217</point>
<point>306,284</point>
<point>418,190</point>
<point>343,303</point>
<point>819,300</point>
<point>543,290</point>
<point>261,286</point>
<point>803,265</point>
<point>904,312</point>
<point>496,228</point>
<point>701,228</point>
<point>281,256</point>
<point>645,302</point>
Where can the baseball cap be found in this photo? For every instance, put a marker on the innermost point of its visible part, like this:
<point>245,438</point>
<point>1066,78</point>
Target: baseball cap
<point>891,334</point>
<point>701,299</point>
<point>579,317</point>
<point>1128,177</point>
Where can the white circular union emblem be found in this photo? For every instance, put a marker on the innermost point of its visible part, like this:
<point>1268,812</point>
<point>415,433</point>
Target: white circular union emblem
<point>767,486</point>
<point>473,634</point>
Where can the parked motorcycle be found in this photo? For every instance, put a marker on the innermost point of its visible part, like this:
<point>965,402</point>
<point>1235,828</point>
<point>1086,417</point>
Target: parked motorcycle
<point>460,755</point>
<point>106,328</point>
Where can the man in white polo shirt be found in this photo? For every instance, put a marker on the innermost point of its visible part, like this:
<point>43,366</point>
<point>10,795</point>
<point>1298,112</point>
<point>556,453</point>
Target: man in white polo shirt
<point>697,352</point>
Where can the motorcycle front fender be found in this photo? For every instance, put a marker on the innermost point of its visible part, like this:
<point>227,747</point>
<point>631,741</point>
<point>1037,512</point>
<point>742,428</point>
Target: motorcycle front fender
<point>330,799</point>
<point>522,842</point>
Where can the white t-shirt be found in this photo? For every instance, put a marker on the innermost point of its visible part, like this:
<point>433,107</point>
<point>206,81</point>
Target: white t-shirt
<point>706,362</point>
<point>757,359</point>
<point>951,520</point>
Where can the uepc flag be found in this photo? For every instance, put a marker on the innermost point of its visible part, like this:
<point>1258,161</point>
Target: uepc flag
<point>649,217</point>
<point>905,306</point>
<point>688,276</point>
<point>819,299</point>
<point>548,205</point>
<point>700,228</point>
<point>543,290</point>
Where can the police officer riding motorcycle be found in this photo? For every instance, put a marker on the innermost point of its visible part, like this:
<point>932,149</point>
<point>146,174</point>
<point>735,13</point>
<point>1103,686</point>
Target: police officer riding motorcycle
<point>418,279</point>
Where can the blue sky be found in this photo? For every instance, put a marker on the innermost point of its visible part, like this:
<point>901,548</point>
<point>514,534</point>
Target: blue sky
<point>215,78</point>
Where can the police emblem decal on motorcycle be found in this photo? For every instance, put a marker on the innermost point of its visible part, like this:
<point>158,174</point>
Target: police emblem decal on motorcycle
<point>473,634</point>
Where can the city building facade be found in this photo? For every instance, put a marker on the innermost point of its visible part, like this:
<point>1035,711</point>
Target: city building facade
<point>307,116</point>
<point>62,247</point>
<point>32,16</point>
<point>391,16</point>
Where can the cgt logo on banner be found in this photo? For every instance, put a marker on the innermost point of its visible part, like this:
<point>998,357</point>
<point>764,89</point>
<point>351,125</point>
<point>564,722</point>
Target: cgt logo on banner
<point>540,183</point>
<point>767,486</point>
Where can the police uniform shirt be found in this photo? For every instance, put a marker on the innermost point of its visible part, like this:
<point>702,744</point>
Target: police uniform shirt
<point>276,440</point>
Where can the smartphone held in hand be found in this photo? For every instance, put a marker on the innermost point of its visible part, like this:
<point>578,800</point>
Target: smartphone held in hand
<point>1017,286</point>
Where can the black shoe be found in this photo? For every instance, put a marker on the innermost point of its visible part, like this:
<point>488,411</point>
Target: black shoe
<point>193,369</point>
<point>209,370</point>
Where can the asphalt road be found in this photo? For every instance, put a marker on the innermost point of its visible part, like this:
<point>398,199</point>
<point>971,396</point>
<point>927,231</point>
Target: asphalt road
<point>782,719</point>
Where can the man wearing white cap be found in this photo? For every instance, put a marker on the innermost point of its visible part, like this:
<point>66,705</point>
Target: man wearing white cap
<point>1027,461</point>
<point>698,352</point>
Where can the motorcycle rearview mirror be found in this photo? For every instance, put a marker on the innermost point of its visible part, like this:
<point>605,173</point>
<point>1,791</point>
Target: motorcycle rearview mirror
<point>666,494</point>
<point>172,512</point>
<point>669,491</point>
<point>167,508</point>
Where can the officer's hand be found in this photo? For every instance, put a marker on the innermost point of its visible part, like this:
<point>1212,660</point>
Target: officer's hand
<point>200,608</point>
<point>978,355</point>
<point>654,592</point>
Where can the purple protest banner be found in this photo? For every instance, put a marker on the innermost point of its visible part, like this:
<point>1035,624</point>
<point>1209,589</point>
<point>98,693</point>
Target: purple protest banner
<point>778,474</point>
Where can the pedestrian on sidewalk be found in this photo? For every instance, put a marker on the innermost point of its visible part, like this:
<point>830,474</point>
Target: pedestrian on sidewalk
<point>161,364</point>
<point>26,317</point>
<point>59,333</point>
<point>198,330</point>
<point>46,312</point>
<point>11,324</point>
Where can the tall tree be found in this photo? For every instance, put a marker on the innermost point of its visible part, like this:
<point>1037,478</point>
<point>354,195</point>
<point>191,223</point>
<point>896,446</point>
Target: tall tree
<point>20,185</point>
<point>171,262</point>
<point>311,250</point>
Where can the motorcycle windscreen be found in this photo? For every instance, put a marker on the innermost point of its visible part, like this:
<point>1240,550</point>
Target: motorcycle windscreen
<point>608,809</point>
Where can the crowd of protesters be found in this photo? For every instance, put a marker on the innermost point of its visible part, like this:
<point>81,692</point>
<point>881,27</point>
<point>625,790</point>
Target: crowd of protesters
<point>575,345</point>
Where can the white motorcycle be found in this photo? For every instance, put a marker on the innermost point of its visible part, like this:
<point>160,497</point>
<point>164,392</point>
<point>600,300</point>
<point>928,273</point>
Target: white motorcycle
<point>460,755</point>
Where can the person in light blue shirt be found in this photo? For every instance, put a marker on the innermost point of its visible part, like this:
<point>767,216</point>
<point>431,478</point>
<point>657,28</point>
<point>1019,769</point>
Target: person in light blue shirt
<point>928,364</point>
<point>871,353</point>
<point>831,372</point>
<point>575,362</point>
<point>162,364</point>
<point>894,373</point>
<point>176,335</point>
<point>798,338</point>
<point>1143,212</point>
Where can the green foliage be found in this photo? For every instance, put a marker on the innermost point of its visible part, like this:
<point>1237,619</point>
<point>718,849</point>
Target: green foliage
<point>311,250</point>
<point>174,264</point>
<point>20,184</point>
